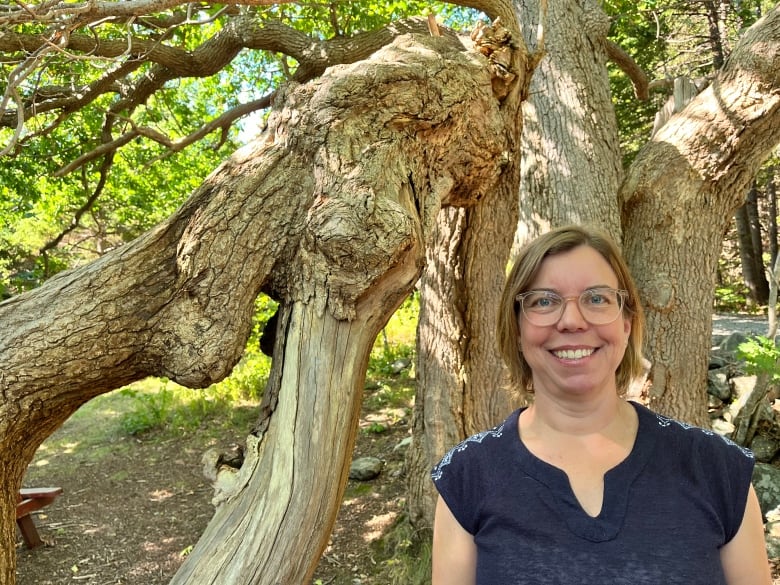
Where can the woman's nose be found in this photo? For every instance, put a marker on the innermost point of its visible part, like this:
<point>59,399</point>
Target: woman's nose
<point>571,315</point>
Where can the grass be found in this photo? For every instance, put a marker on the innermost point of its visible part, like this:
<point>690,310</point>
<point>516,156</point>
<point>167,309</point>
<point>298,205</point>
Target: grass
<point>404,555</point>
<point>159,409</point>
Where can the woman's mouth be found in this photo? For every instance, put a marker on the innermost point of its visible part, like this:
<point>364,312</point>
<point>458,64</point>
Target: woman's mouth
<point>573,354</point>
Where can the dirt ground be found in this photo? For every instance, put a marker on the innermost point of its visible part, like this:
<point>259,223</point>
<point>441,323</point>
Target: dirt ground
<point>132,508</point>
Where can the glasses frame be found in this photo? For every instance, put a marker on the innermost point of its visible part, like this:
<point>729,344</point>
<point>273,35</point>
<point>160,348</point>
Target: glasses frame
<point>620,293</point>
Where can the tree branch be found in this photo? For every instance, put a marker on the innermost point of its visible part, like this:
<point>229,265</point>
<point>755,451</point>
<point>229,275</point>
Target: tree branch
<point>85,12</point>
<point>634,72</point>
<point>169,62</point>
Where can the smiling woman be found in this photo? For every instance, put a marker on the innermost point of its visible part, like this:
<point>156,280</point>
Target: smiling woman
<point>582,486</point>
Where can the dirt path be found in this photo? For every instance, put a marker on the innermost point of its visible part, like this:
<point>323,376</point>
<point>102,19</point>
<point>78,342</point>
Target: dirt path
<point>133,507</point>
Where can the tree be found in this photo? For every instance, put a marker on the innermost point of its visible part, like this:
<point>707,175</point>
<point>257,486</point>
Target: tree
<point>558,184</point>
<point>707,156</point>
<point>330,212</point>
<point>339,250</point>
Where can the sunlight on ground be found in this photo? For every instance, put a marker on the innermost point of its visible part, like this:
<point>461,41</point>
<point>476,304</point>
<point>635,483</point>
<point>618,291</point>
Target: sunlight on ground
<point>378,525</point>
<point>386,416</point>
<point>160,495</point>
<point>151,547</point>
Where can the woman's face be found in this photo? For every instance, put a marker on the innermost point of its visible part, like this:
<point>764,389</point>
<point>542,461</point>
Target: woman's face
<point>573,356</point>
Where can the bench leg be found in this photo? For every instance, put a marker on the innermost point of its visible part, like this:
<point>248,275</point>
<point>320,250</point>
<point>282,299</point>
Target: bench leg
<point>29,532</point>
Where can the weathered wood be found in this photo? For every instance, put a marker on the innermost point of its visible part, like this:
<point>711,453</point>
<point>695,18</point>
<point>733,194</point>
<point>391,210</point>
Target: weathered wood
<point>327,212</point>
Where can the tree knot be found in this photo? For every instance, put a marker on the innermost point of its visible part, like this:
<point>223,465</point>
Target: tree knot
<point>494,41</point>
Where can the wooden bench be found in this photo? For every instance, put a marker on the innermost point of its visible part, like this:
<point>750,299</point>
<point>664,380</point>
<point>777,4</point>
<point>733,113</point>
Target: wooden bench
<point>30,500</point>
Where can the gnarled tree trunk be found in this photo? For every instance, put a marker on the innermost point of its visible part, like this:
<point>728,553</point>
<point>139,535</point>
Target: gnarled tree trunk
<point>328,212</point>
<point>679,195</point>
<point>461,387</point>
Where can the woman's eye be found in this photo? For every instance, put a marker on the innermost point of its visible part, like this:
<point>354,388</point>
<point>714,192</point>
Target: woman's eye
<point>598,298</point>
<point>544,302</point>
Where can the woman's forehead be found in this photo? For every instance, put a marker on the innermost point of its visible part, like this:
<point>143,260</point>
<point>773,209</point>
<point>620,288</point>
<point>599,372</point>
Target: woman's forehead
<point>575,270</point>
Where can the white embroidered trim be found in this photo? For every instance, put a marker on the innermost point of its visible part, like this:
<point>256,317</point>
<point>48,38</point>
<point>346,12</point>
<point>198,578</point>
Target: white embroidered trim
<point>666,421</point>
<point>437,472</point>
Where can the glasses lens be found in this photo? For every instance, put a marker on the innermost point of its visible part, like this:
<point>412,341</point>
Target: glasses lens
<point>600,306</point>
<point>542,308</point>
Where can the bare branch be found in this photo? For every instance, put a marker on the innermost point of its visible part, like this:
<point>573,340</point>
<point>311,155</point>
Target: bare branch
<point>88,204</point>
<point>103,149</point>
<point>84,12</point>
<point>624,61</point>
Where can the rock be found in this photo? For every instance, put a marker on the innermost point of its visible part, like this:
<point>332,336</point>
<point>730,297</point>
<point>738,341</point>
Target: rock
<point>742,385</point>
<point>404,444</point>
<point>766,480</point>
<point>400,365</point>
<point>365,468</point>
<point>764,448</point>
<point>773,539</point>
<point>718,384</point>
<point>717,361</point>
<point>722,427</point>
<point>732,342</point>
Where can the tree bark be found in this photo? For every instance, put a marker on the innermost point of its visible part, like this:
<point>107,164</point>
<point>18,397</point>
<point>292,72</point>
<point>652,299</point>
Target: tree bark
<point>329,212</point>
<point>571,161</point>
<point>751,248</point>
<point>461,387</point>
<point>678,197</point>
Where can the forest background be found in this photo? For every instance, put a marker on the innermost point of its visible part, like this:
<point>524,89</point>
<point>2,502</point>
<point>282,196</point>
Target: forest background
<point>73,191</point>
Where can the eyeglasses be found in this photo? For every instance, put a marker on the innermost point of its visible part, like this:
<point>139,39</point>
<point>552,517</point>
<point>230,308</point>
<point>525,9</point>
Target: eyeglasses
<point>598,306</point>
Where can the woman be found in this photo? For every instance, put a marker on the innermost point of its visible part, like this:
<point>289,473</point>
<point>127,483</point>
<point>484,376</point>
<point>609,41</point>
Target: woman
<point>583,487</point>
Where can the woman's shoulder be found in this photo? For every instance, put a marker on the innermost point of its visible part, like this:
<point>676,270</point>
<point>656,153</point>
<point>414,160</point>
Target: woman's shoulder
<point>682,434</point>
<point>479,447</point>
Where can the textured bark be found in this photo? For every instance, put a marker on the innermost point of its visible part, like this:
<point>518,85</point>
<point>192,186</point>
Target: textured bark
<point>571,159</point>
<point>328,212</point>
<point>679,194</point>
<point>460,378</point>
<point>460,384</point>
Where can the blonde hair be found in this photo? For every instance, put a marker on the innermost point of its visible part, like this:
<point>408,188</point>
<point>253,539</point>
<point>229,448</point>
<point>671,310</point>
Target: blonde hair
<point>523,273</point>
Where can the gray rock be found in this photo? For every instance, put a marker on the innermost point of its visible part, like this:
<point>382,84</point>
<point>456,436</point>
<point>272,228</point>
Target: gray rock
<point>718,384</point>
<point>722,427</point>
<point>404,444</point>
<point>733,341</point>
<point>773,540</point>
<point>365,468</point>
<point>766,480</point>
<point>400,365</point>
<point>764,448</point>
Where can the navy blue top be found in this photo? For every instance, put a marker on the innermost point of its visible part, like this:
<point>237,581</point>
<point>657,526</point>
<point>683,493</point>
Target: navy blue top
<point>667,509</point>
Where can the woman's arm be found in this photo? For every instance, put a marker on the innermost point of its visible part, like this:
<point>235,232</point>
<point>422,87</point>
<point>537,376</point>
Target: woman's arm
<point>454,551</point>
<point>744,557</point>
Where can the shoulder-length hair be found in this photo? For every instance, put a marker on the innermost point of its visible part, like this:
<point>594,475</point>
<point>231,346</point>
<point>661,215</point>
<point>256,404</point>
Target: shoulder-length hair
<point>523,273</point>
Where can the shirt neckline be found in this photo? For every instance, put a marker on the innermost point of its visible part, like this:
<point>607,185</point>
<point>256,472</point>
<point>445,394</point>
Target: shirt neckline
<point>617,482</point>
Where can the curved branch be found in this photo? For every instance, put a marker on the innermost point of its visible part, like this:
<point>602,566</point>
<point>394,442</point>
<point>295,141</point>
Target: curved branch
<point>242,32</point>
<point>634,72</point>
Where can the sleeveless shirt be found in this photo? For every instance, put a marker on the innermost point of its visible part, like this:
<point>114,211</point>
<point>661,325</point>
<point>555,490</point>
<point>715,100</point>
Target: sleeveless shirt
<point>668,507</point>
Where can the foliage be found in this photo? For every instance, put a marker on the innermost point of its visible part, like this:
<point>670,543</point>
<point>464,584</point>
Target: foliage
<point>162,404</point>
<point>668,39</point>
<point>638,31</point>
<point>761,355</point>
<point>731,299</point>
<point>49,223</point>
<point>404,555</point>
